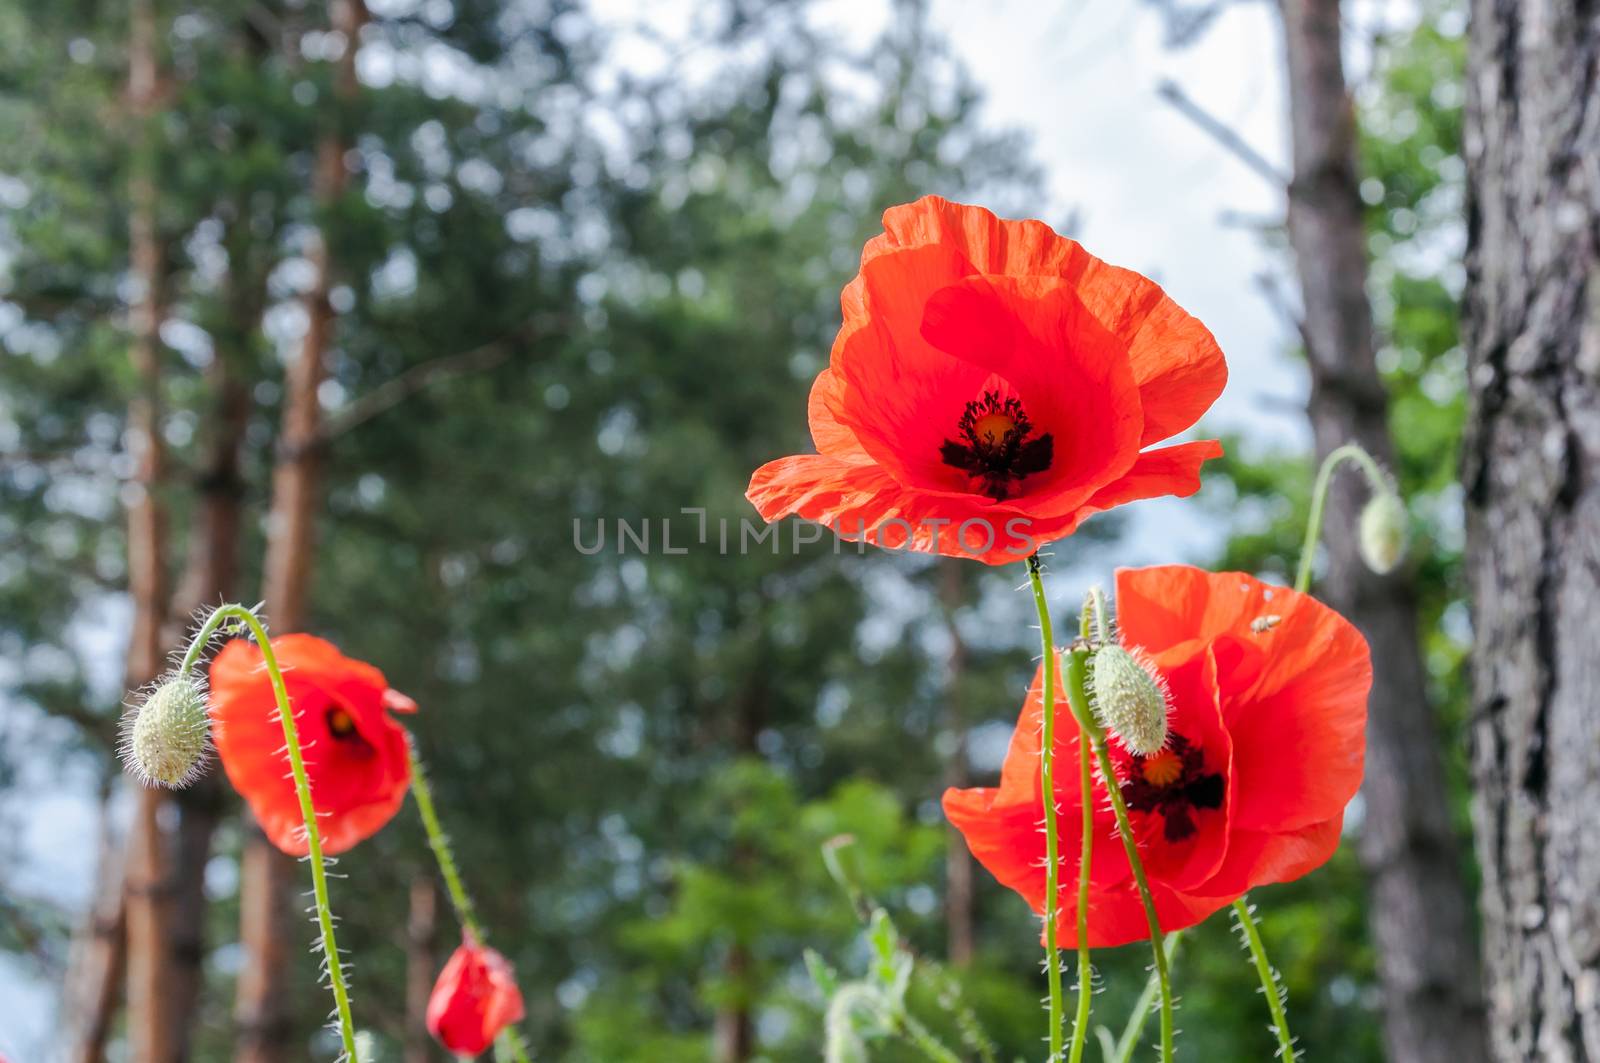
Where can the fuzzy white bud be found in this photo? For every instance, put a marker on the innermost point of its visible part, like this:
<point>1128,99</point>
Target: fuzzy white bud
<point>1130,700</point>
<point>166,736</point>
<point>1383,532</point>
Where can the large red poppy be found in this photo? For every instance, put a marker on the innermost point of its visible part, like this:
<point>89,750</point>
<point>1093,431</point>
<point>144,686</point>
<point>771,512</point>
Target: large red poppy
<point>1266,739</point>
<point>355,753</point>
<point>475,998</point>
<point>994,384</point>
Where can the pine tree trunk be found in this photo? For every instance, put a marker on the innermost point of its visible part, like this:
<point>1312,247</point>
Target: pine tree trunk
<point>421,971</point>
<point>1418,905</point>
<point>261,1005</point>
<point>149,881</point>
<point>99,951</point>
<point>210,576</point>
<point>1531,470</point>
<point>959,886</point>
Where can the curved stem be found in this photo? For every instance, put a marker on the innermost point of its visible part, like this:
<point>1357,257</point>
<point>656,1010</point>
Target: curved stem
<point>509,1039</point>
<point>1048,791</point>
<point>1269,981</point>
<point>1079,700</point>
<point>1131,847</point>
<point>1080,1024</point>
<point>1377,481</point>
<point>1143,1007</point>
<point>308,812</point>
<point>423,794</point>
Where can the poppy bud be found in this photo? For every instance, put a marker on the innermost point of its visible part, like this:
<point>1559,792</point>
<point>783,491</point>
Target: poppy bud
<point>475,998</point>
<point>1383,532</point>
<point>166,737</point>
<point>1129,701</point>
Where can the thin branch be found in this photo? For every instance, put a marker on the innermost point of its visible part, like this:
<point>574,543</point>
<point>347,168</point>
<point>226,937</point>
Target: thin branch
<point>1268,286</point>
<point>418,378</point>
<point>1221,132</point>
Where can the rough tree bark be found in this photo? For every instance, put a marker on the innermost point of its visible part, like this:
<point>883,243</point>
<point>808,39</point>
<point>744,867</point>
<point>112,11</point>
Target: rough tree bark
<point>148,884</point>
<point>1419,908</point>
<point>262,1005</point>
<point>1531,470</point>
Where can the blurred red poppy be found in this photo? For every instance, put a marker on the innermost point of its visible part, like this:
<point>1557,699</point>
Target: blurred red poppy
<point>993,385</point>
<point>1267,722</point>
<point>475,998</point>
<point>355,753</point>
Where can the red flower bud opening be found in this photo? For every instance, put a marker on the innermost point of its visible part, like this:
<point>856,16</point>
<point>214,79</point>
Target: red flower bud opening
<point>475,998</point>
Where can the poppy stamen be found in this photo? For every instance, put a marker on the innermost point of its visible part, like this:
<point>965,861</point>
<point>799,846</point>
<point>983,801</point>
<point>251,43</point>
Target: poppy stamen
<point>995,446</point>
<point>1173,781</point>
<point>341,724</point>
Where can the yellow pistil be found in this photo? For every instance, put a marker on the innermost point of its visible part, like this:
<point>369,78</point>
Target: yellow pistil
<point>993,428</point>
<point>1162,769</point>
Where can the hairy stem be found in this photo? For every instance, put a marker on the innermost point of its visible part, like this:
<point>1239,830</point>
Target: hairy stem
<point>1377,481</point>
<point>1047,785</point>
<point>308,812</point>
<point>1078,698</point>
<point>1143,1007</point>
<point>1269,980</point>
<point>508,1040</point>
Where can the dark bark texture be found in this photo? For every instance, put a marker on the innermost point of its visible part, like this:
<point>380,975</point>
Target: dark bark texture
<point>1531,470</point>
<point>1419,907</point>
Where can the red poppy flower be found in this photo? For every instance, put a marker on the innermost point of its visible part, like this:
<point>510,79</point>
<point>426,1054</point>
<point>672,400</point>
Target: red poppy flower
<point>475,998</point>
<point>355,753</point>
<point>994,384</point>
<point>1267,717</point>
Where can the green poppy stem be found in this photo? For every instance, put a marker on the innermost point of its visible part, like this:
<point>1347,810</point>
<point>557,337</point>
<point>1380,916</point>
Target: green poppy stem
<point>1079,700</point>
<point>1269,979</point>
<point>508,1041</point>
<point>1143,1007</point>
<point>1052,857</point>
<point>1377,481</point>
<point>308,812</point>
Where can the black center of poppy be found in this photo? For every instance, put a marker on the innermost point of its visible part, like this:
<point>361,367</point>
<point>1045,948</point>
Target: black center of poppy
<point>1173,781</point>
<point>342,725</point>
<point>995,444</point>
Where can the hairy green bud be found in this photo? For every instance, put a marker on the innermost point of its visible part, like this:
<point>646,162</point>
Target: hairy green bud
<point>1383,532</point>
<point>167,736</point>
<point>1130,700</point>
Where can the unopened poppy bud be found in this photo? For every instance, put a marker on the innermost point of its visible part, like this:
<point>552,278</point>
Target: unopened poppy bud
<point>166,737</point>
<point>1129,700</point>
<point>1383,532</point>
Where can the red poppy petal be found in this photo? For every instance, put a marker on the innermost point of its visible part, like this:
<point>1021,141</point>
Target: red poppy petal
<point>1176,362</point>
<point>357,781</point>
<point>866,502</point>
<point>1163,605</point>
<point>1299,749</point>
<point>1071,374</point>
<point>1117,917</point>
<point>1196,714</point>
<point>1004,838</point>
<point>1298,728</point>
<point>1260,858</point>
<point>900,396</point>
<point>1173,470</point>
<point>829,435</point>
<point>992,244</point>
